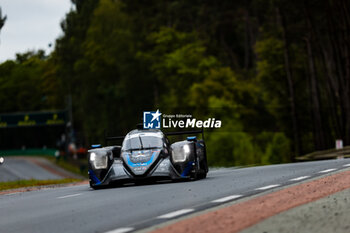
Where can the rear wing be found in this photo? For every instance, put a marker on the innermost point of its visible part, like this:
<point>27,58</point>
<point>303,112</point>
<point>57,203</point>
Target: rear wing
<point>113,138</point>
<point>116,138</point>
<point>186,132</point>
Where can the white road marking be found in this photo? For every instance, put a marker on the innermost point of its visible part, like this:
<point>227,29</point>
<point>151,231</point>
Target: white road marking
<point>268,187</point>
<point>176,213</point>
<point>299,178</point>
<point>328,170</point>
<point>346,165</point>
<point>121,230</point>
<point>228,198</point>
<point>72,195</point>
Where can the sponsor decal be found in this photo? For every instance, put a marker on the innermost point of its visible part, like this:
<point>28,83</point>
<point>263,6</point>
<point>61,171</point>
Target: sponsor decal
<point>26,122</point>
<point>152,120</point>
<point>55,120</point>
<point>133,161</point>
<point>10,120</point>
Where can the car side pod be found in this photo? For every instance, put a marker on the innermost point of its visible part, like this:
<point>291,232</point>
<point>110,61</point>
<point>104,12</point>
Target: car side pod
<point>2,160</point>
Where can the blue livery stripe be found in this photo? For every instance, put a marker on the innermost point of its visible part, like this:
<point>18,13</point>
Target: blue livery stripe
<point>94,177</point>
<point>140,164</point>
<point>187,169</point>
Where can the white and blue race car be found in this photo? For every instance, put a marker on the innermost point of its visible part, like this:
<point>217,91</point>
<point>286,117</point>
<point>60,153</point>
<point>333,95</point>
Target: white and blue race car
<point>147,155</point>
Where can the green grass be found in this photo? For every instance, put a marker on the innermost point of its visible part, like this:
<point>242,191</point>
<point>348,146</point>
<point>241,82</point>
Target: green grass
<point>66,165</point>
<point>31,183</point>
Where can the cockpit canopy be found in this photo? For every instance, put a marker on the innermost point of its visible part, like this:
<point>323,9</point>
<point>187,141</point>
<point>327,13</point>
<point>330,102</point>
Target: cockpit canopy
<point>140,140</point>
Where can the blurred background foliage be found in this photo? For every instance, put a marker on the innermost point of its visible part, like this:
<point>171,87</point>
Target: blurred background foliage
<point>276,73</point>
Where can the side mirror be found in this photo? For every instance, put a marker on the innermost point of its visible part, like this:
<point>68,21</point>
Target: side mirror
<point>2,160</point>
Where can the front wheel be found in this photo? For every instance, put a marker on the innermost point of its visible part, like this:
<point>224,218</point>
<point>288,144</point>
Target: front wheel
<point>200,170</point>
<point>203,169</point>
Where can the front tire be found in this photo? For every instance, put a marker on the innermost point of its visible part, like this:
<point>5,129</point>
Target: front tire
<point>203,169</point>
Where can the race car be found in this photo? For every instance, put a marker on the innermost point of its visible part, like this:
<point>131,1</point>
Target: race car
<point>147,155</point>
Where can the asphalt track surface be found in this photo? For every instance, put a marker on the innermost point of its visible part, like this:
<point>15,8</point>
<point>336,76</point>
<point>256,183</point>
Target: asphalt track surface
<point>132,208</point>
<point>18,168</point>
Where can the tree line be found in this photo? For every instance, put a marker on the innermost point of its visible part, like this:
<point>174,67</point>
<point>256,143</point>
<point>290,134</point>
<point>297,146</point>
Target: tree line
<point>276,73</point>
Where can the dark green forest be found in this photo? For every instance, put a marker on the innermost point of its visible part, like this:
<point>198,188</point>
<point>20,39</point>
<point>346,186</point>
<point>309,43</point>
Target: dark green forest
<point>276,73</point>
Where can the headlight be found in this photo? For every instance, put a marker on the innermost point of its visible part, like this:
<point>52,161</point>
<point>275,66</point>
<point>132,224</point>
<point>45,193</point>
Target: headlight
<point>181,153</point>
<point>92,156</point>
<point>99,160</point>
<point>186,149</point>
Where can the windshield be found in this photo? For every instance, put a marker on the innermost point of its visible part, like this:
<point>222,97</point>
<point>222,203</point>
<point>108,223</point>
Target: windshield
<point>142,141</point>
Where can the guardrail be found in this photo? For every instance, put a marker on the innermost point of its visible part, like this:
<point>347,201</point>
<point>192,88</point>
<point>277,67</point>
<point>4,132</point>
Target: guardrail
<point>326,154</point>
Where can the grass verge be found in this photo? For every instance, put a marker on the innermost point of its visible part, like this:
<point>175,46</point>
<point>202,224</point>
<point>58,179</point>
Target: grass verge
<point>31,183</point>
<point>77,167</point>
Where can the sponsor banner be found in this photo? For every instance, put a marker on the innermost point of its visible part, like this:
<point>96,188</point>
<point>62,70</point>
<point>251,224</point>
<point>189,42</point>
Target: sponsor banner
<point>157,120</point>
<point>33,119</point>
